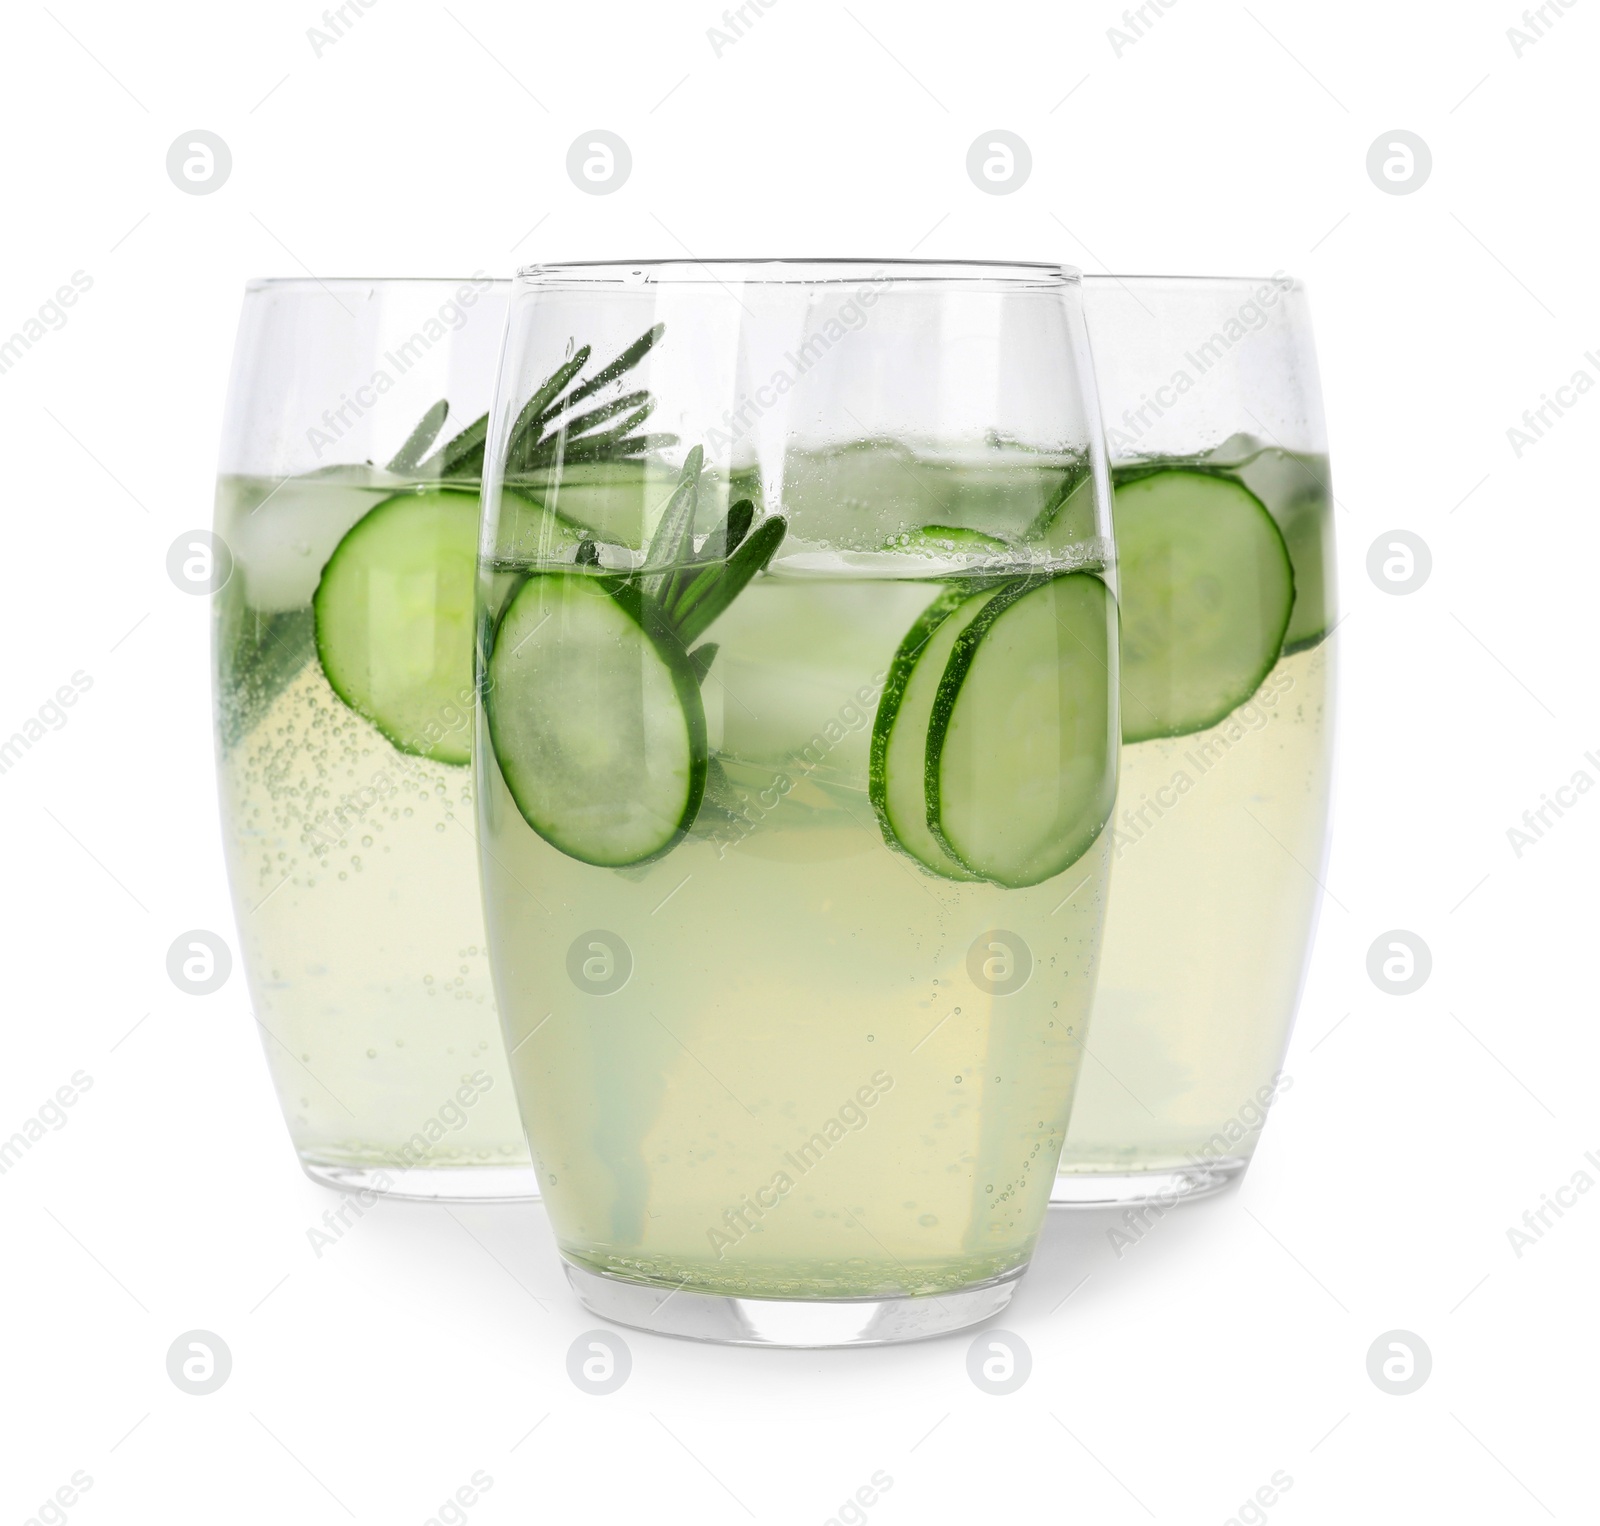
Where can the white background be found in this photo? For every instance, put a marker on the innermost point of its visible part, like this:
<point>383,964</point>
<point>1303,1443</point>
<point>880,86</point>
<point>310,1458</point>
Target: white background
<point>1230,1343</point>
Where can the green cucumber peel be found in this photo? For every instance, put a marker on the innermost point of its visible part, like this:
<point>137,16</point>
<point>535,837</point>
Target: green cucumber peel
<point>1208,590</point>
<point>545,725</point>
<point>577,705</point>
<point>955,672</point>
<point>890,703</point>
<point>1016,813</point>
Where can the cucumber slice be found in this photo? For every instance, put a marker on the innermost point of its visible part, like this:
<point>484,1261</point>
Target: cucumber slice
<point>945,539</point>
<point>529,532</point>
<point>616,501</point>
<point>620,502</point>
<point>393,618</point>
<point>596,719</point>
<point>393,612</point>
<point>861,495</point>
<point>1070,518</point>
<point>895,775</point>
<point>1207,587</point>
<point>1021,766</point>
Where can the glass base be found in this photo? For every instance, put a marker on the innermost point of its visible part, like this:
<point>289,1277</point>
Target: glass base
<point>794,1322</point>
<point>1172,1184</point>
<point>431,1184</point>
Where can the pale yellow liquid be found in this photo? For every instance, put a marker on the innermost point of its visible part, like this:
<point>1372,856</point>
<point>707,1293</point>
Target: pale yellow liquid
<point>355,882</point>
<point>1214,891</point>
<point>784,970</point>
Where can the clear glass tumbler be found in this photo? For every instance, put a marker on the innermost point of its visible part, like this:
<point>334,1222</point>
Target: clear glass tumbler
<point>796,749</point>
<point>1224,527</point>
<point>348,499</point>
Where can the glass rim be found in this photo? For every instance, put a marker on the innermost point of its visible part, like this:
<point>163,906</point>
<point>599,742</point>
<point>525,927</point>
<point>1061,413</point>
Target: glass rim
<point>345,283</point>
<point>593,270</point>
<point>818,270</point>
<point>1281,279</point>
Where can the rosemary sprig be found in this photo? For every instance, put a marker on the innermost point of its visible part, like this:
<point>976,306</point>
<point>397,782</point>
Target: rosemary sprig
<point>546,429</point>
<point>417,442</point>
<point>690,586</point>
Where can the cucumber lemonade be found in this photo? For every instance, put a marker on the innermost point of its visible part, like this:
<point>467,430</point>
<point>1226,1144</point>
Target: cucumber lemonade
<point>795,857</point>
<point>345,700</point>
<point>350,845</point>
<point>1227,601</point>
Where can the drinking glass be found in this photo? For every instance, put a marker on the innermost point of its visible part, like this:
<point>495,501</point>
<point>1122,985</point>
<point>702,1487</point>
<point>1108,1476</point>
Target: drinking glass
<point>1225,537</point>
<point>347,502</point>
<point>796,745</point>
